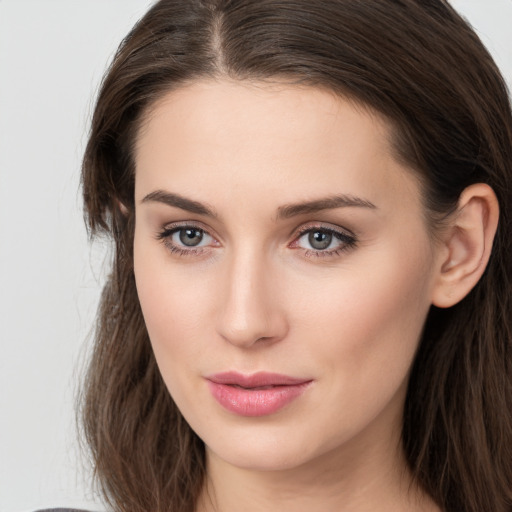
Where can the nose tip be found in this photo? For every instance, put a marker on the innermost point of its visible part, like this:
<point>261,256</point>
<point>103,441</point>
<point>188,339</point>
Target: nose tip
<point>250,312</point>
<point>245,336</point>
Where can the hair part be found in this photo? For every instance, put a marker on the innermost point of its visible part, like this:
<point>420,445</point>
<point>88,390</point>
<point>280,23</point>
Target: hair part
<point>420,66</point>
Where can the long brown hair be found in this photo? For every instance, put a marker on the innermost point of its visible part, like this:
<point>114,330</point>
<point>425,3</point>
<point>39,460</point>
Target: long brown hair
<point>421,66</point>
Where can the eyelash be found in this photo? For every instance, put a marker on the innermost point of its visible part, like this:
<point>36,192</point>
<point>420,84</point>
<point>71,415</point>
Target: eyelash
<point>165,236</point>
<point>348,241</point>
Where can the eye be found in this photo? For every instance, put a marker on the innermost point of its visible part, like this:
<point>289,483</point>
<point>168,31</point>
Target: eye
<point>323,241</point>
<point>191,237</point>
<point>186,240</point>
<point>320,240</point>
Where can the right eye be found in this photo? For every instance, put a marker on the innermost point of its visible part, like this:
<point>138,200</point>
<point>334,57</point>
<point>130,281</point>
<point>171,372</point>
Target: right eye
<point>190,237</point>
<point>186,240</point>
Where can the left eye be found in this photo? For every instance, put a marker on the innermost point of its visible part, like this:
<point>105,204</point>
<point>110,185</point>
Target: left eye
<point>323,240</point>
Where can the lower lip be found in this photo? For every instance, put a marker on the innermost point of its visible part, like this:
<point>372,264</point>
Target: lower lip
<point>255,402</point>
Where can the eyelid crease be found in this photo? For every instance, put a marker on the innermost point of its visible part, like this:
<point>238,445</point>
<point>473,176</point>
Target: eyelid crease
<point>324,226</point>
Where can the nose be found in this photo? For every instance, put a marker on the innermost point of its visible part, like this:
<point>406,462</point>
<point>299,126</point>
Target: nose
<point>250,312</point>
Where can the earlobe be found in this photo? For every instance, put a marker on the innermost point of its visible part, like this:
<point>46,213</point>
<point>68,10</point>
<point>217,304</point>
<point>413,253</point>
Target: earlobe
<point>467,243</point>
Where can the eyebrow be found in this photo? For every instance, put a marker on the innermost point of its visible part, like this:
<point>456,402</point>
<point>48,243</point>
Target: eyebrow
<point>283,212</point>
<point>170,199</point>
<point>327,203</point>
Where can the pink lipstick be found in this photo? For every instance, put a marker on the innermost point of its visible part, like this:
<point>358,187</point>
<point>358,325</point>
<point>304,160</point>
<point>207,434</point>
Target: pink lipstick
<point>258,394</point>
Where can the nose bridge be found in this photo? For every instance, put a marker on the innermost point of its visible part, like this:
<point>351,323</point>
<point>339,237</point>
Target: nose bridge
<point>249,311</point>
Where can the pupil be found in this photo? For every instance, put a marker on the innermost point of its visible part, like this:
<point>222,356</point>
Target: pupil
<point>191,237</point>
<point>320,240</point>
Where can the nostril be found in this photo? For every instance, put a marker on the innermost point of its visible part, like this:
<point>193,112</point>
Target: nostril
<point>248,310</point>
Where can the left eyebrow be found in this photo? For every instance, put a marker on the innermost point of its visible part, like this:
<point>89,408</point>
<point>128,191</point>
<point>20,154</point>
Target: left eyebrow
<point>327,203</point>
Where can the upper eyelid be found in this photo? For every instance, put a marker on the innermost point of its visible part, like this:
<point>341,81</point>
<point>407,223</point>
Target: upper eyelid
<point>302,228</point>
<point>176,226</point>
<point>344,237</point>
<point>185,224</point>
<point>171,229</point>
<point>324,227</point>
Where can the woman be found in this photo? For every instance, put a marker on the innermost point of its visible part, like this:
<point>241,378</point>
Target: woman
<point>309,307</point>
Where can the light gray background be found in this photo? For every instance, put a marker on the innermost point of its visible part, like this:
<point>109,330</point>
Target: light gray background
<point>52,56</point>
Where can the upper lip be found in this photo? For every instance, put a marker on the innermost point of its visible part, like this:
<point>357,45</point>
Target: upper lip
<point>255,380</point>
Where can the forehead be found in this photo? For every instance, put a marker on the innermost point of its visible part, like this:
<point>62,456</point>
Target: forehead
<point>225,109</point>
<point>260,137</point>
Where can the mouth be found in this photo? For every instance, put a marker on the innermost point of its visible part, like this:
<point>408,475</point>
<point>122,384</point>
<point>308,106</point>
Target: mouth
<point>259,394</point>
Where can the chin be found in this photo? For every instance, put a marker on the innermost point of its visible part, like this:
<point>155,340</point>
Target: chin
<point>261,458</point>
<point>263,448</point>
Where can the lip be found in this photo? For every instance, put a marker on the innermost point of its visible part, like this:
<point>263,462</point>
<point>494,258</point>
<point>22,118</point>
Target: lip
<point>258,394</point>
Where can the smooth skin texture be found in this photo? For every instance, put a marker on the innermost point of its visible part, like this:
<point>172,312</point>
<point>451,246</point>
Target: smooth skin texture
<point>258,292</point>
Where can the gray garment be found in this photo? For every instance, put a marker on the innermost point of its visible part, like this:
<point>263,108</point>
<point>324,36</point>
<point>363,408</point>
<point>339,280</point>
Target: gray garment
<point>61,510</point>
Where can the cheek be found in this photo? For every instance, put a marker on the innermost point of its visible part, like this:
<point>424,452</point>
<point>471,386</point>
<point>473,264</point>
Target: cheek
<point>173,304</point>
<point>367,324</point>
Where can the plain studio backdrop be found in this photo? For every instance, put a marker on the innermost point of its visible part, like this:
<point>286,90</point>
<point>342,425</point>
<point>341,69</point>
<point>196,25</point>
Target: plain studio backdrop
<point>52,56</point>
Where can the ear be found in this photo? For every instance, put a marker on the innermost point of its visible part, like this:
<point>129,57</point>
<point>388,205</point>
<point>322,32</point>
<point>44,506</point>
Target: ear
<point>122,208</point>
<point>466,245</point>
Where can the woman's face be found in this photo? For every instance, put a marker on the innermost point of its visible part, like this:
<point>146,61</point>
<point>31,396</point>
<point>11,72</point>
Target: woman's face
<point>284,270</point>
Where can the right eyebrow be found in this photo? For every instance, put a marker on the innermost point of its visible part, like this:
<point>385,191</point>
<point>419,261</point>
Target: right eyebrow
<point>170,199</point>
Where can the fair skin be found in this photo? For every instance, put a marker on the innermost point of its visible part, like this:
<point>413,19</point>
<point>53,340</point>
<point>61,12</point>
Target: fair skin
<point>335,296</point>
